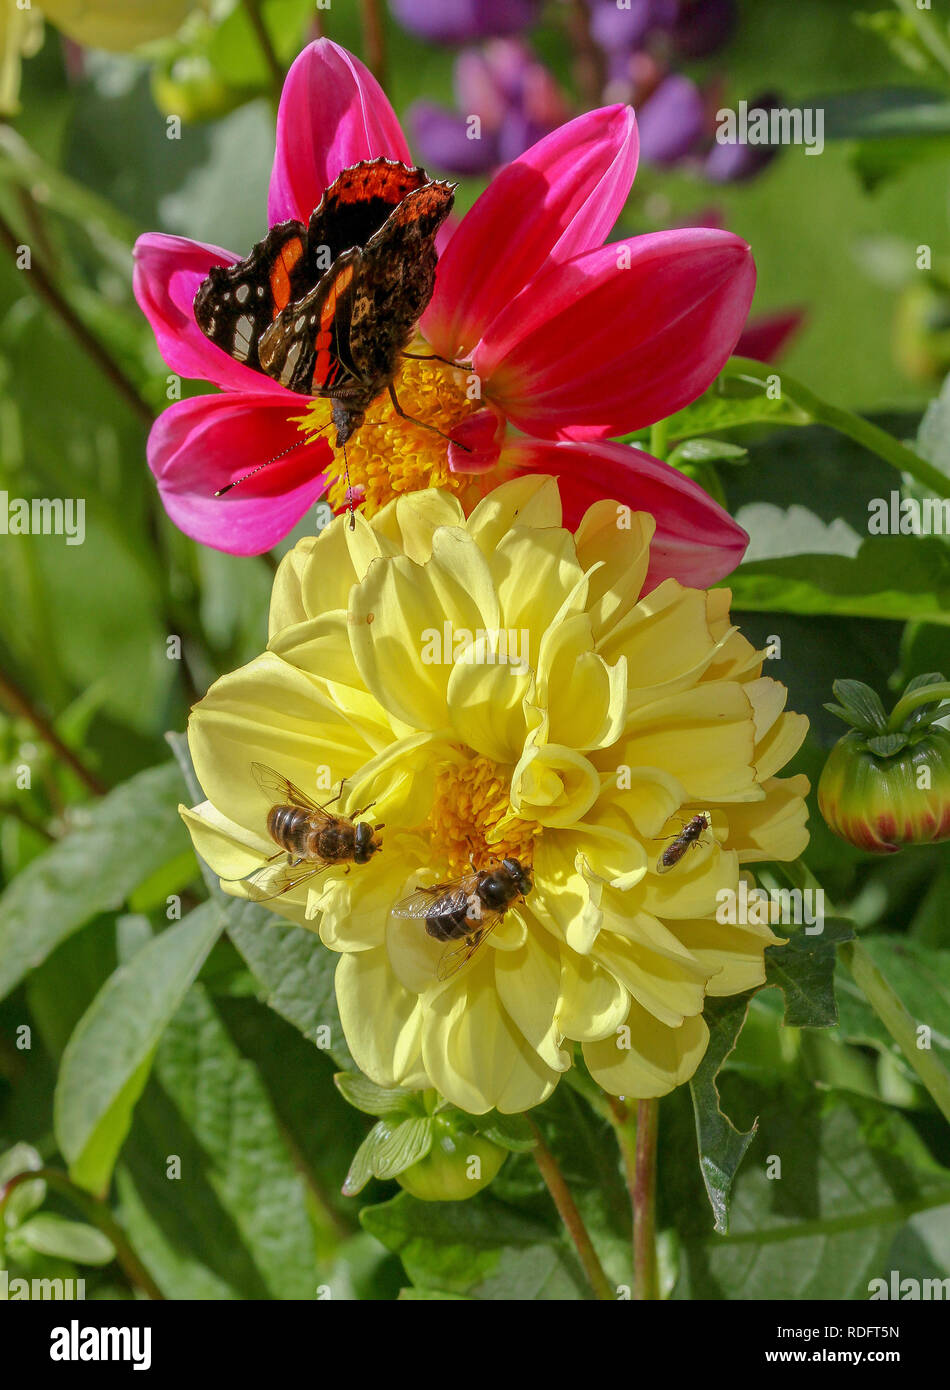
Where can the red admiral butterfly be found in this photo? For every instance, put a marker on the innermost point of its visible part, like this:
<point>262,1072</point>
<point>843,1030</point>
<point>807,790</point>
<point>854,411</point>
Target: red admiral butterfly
<point>327,309</point>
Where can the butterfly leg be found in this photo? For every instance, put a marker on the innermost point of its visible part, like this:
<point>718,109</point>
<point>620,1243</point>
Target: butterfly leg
<point>437,357</point>
<point>434,428</point>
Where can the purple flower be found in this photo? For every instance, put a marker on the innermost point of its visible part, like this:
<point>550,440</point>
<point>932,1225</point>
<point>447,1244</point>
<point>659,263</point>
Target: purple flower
<point>506,101</point>
<point>671,121</point>
<point>461,21</point>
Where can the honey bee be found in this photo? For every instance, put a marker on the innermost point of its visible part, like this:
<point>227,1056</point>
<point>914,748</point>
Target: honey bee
<point>312,839</point>
<point>466,910</point>
<point>689,835</point>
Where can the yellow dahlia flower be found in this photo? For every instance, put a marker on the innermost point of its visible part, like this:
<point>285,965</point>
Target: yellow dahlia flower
<point>612,720</point>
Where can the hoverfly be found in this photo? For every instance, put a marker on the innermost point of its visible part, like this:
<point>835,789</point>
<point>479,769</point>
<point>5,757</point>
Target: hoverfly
<point>308,834</point>
<point>467,909</point>
<point>689,835</point>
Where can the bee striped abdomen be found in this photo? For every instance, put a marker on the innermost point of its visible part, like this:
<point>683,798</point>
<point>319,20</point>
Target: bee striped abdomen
<point>289,827</point>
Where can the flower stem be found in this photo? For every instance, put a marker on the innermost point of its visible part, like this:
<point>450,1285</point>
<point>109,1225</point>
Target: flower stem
<point>659,439</point>
<point>19,702</point>
<point>645,1280</point>
<point>277,74</point>
<point>95,1211</point>
<point>862,431</point>
<point>374,37</point>
<point>925,695</point>
<point>573,1222</point>
<point>37,278</point>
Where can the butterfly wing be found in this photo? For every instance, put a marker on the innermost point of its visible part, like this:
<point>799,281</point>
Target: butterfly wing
<point>306,348</point>
<point>397,278</point>
<point>357,204</point>
<point>236,304</point>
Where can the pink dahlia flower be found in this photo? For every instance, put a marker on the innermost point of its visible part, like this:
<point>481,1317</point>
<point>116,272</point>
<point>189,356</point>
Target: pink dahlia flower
<point>570,341</point>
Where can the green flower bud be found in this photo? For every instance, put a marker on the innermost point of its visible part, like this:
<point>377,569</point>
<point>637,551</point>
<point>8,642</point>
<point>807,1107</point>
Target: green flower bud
<point>457,1165</point>
<point>887,782</point>
<point>431,1149</point>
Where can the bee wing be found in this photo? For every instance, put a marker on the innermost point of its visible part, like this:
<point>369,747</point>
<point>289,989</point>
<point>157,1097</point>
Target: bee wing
<point>421,901</point>
<point>271,881</point>
<point>454,957</point>
<point>273,784</point>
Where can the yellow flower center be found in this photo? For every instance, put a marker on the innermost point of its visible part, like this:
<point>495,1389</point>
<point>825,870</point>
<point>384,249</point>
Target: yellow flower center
<point>389,455</point>
<point>471,799</point>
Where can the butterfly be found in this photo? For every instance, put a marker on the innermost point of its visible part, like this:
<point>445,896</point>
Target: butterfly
<point>327,309</point>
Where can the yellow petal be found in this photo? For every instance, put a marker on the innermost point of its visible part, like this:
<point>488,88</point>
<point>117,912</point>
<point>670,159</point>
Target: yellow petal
<point>528,984</point>
<point>533,500</point>
<point>610,534</point>
<point>381,1020</point>
<point>774,828</point>
<point>269,712</point>
<point>649,1061</point>
<point>592,1003</point>
<point>487,708</point>
<point>553,785</point>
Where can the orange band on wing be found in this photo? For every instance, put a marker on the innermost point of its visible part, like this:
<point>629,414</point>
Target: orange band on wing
<point>289,255</point>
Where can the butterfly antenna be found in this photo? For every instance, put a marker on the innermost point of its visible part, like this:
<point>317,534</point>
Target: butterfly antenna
<point>349,489</point>
<point>261,466</point>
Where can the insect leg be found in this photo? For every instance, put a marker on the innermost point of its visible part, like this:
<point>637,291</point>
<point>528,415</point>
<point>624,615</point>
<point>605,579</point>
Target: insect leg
<point>434,428</point>
<point>437,357</point>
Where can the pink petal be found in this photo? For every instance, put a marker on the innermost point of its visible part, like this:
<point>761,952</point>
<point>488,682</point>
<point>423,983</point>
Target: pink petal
<point>600,347</point>
<point>559,198</point>
<point>480,437</point>
<point>767,335</point>
<point>200,445</point>
<point>168,271</point>
<point>332,114</point>
<point>696,541</point>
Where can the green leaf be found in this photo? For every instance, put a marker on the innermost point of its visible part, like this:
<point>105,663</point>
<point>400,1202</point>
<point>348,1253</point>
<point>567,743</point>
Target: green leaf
<point>885,112</point>
<point>707,451</point>
<point>722,1146</point>
<point>108,1058</point>
<point>29,1195</point>
<point>920,976</point>
<point>731,402</point>
<point>400,1147</point>
<point>863,702</point>
<point>512,1132</point>
<point>211,1196</point>
<point>903,578</point>
<point>123,838</point>
<point>804,970</point>
<point>69,1240</point>
<point>365,1095</point>
<point>296,973</point>
<point>480,1248</point>
<point>836,1190</point>
<point>361,1168</point>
